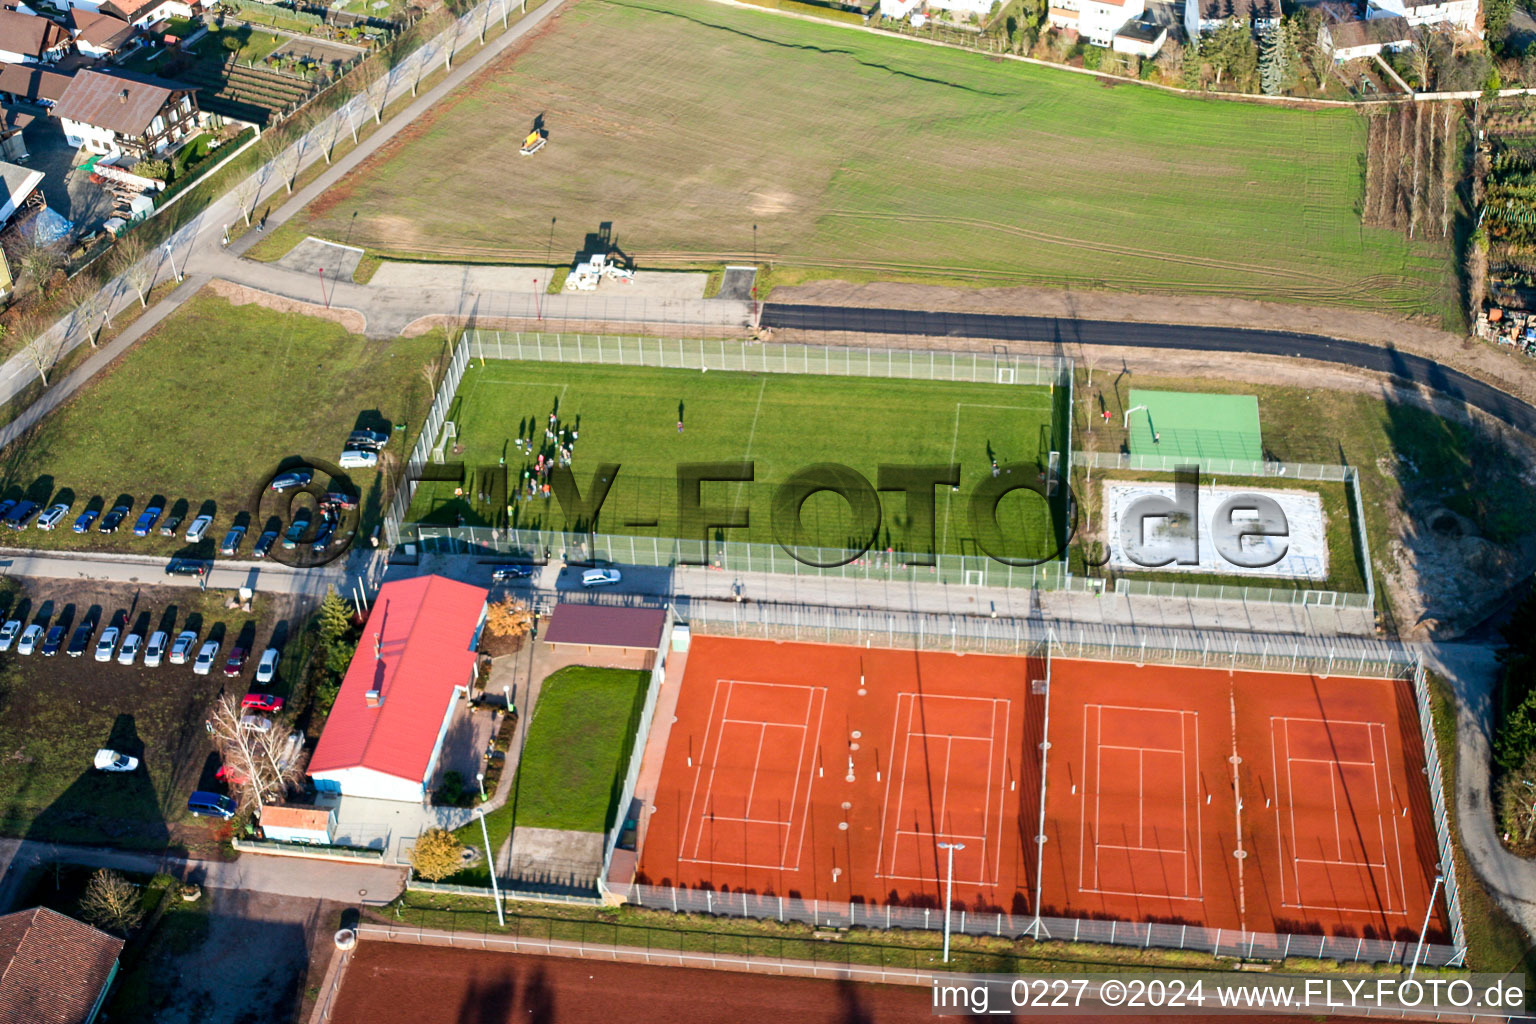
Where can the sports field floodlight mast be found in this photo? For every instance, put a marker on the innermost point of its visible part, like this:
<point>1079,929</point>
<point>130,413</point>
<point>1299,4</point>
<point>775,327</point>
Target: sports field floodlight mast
<point>490,862</point>
<point>949,889</point>
<point>1434,892</point>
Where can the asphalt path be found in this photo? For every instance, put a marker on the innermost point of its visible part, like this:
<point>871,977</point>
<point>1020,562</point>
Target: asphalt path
<point>1406,366</point>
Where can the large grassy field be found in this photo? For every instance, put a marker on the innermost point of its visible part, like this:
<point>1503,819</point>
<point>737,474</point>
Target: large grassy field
<point>782,423</point>
<point>685,124</point>
<point>199,414</point>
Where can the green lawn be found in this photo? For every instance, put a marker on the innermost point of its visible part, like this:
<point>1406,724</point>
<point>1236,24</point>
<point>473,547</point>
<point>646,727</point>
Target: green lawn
<point>206,408</point>
<point>782,423</point>
<point>253,44</point>
<point>864,156</point>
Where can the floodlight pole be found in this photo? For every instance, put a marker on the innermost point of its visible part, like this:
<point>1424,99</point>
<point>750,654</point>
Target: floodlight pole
<point>538,306</point>
<point>1128,412</point>
<point>1427,911</point>
<point>490,862</point>
<point>172,257</point>
<point>949,890</point>
<point>327,298</point>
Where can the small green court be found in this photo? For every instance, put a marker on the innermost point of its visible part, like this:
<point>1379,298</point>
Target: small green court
<point>1187,425</point>
<point>649,421</point>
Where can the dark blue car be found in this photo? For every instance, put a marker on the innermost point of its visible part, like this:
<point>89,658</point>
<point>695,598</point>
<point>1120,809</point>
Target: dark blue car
<point>52,641</point>
<point>84,520</point>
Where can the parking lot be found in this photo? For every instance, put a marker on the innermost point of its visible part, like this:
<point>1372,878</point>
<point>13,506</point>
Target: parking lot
<point>57,711</point>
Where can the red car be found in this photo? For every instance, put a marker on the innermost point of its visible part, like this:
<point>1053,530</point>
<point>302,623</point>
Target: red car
<point>236,661</point>
<point>229,775</point>
<point>262,702</point>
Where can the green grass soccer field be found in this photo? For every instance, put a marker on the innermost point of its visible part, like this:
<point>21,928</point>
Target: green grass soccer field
<point>648,421</point>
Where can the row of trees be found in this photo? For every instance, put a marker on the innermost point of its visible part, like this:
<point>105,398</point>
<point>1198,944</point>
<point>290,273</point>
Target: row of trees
<point>1514,745</point>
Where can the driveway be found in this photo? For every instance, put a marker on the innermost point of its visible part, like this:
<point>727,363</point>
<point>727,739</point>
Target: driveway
<point>69,193</point>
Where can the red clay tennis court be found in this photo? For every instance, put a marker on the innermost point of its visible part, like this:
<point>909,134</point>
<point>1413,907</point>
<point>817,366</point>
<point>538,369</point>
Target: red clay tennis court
<point>1266,802</point>
<point>833,773</point>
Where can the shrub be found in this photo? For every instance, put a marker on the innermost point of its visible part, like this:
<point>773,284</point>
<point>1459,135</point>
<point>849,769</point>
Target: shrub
<point>436,854</point>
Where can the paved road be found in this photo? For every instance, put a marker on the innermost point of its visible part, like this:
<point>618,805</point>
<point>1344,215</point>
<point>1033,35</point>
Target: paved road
<point>1068,333</point>
<point>267,577</point>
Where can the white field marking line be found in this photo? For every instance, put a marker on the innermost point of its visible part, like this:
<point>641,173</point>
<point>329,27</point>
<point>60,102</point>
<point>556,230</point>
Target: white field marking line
<point>1185,716</point>
<point>698,773</point>
<point>987,841</point>
<point>1373,730</point>
<point>752,433</point>
<point>818,697</point>
<point>729,685</point>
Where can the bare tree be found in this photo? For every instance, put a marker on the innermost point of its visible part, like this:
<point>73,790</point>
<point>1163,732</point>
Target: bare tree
<point>141,275</point>
<point>245,195</point>
<point>35,259</point>
<point>111,901</point>
<point>255,759</point>
<point>92,306</point>
<point>42,349</point>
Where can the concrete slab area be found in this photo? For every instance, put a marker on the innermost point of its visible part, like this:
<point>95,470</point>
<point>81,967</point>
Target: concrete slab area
<point>555,860</point>
<point>462,277</point>
<point>316,254</point>
<point>737,283</point>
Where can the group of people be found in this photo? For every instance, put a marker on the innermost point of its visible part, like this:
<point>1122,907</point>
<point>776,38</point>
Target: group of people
<point>557,450</point>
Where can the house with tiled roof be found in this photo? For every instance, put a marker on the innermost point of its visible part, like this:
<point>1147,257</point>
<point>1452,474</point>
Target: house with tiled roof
<point>53,969</point>
<point>416,660</point>
<point>118,112</point>
<point>29,39</point>
<point>142,13</point>
<point>99,35</point>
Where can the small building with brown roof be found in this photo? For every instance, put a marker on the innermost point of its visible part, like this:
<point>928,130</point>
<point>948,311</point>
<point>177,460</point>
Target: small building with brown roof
<point>118,112</point>
<point>56,970</point>
<point>1351,40</point>
<point>98,34</point>
<point>29,39</point>
<point>606,635</point>
<point>30,83</point>
<point>144,13</point>
<point>298,823</point>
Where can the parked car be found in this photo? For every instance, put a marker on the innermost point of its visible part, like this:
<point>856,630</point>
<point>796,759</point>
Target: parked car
<point>229,775</point>
<point>53,641</point>
<point>198,528</point>
<point>81,639</point>
<point>84,520</point>
<point>364,438</point>
<point>113,519</point>
<point>147,520</point>
<point>171,525</point>
<point>300,524</point>
<point>8,634</point>
<point>107,644</point>
<point>29,637</point>
<point>52,517</point>
<point>600,577</point>
<point>211,805</point>
<point>6,506</point>
<point>156,649</point>
<point>130,649</point>
<point>256,723</point>
<point>108,760</point>
<point>357,458</point>
<point>262,702</point>
<point>236,661</point>
<point>180,650</point>
<point>266,669</point>
<point>185,567</point>
<point>323,534</point>
<point>264,544</point>
<point>512,572</point>
<point>18,517</point>
<point>232,541</point>
<point>288,481</point>
<point>337,500</point>
<point>205,658</point>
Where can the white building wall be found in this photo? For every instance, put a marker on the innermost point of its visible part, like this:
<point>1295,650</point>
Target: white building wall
<point>366,782</point>
<point>1098,22</point>
<point>89,137</point>
<point>283,834</point>
<point>1460,14</point>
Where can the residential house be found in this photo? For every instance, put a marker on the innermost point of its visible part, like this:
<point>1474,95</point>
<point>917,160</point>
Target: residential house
<point>1140,38</point>
<point>18,184</point>
<point>117,112</point>
<point>1351,40</point>
<point>901,8</point>
<point>28,39</point>
<point>53,968</point>
<point>1205,16</point>
<point>144,13</point>
<point>415,662</point>
<point>298,823</point>
<point>1463,15</point>
<point>30,83</point>
<point>1095,20</point>
<point>99,35</point>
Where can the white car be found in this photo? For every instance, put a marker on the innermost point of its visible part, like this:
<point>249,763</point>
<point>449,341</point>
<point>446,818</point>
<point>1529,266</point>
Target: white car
<point>111,761</point>
<point>29,639</point>
<point>8,634</point>
<point>355,459</point>
<point>182,648</point>
<point>600,577</point>
<point>258,723</point>
<point>130,649</point>
<point>206,658</point>
<point>198,528</point>
<point>49,519</point>
<point>268,666</point>
<point>107,644</point>
<point>156,649</point>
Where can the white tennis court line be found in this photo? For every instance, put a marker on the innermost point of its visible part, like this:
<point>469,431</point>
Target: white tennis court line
<point>1189,723</point>
<point>992,842</point>
<point>700,812</point>
<point>1385,819</point>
